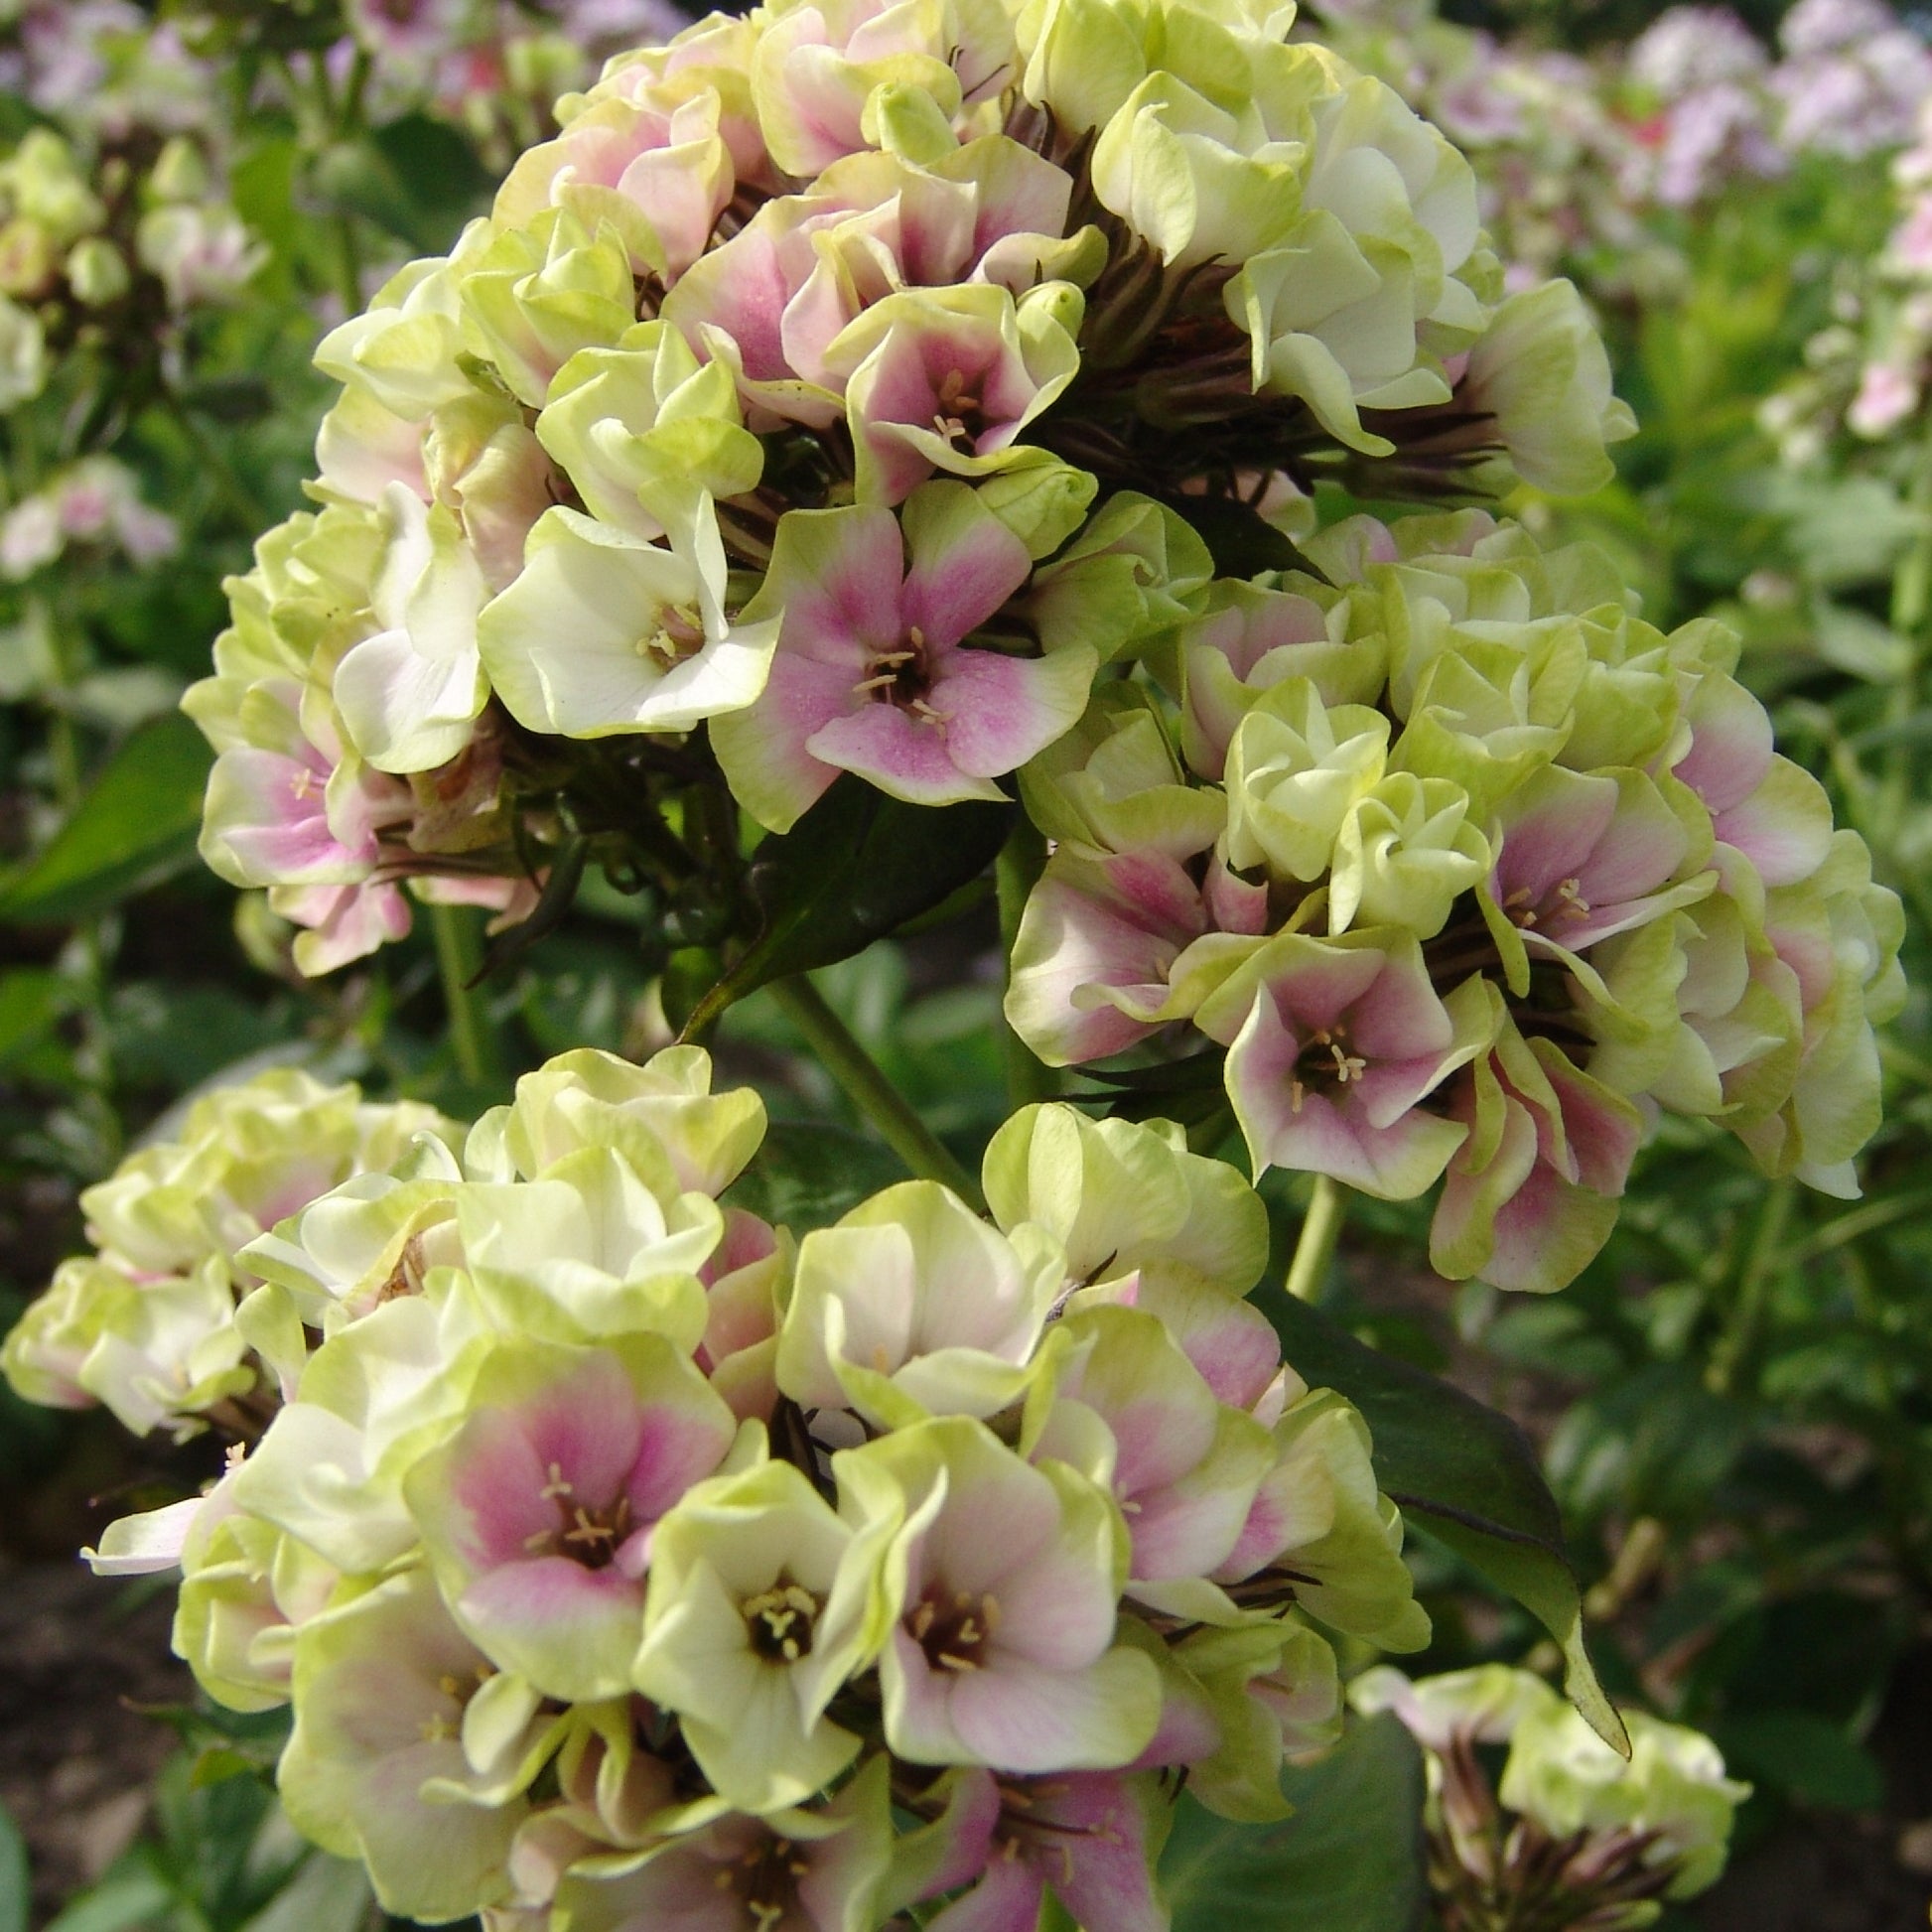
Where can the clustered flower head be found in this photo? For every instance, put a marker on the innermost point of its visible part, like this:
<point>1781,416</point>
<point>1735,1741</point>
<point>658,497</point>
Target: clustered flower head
<point>92,504</point>
<point>810,405</point>
<point>1868,370</point>
<point>1573,1834</point>
<point>147,1323</point>
<point>1574,155</point>
<point>1471,874</point>
<point>92,252</point>
<point>627,1561</point>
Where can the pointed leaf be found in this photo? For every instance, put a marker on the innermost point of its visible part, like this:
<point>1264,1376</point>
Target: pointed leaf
<point>857,867</point>
<point>136,827</point>
<point>1350,1859</point>
<point>1465,1473</point>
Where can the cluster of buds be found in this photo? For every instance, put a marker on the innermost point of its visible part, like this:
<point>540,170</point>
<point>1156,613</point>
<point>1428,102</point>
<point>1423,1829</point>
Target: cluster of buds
<point>90,255</point>
<point>1573,1837</point>
<point>627,1561</point>
<point>146,1324</point>
<point>840,391</point>
<point>1470,871</point>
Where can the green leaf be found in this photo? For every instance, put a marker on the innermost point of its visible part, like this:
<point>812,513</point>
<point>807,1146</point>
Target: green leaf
<point>1239,539</point>
<point>1465,1473</point>
<point>16,1887</point>
<point>856,867</point>
<point>31,1000</point>
<point>136,827</point>
<point>1801,1753</point>
<point>1350,1859</point>
<point>132,1895</point>
<point>808,1173</point>
<point>326,1894</point>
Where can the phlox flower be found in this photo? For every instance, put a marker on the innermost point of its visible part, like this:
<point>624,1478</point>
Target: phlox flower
<point>1532,1193</point>
<point>1003,1583</point>
<point>873,671</point>
<point>948,379</point>
<point>1333,1052</point>
<point>910,1305</point>
<point>817,68</point>
<point>378,1766</point>
<point>605,633</point>
<point>793,1871</point>
<point>409,692</point>
<point>762,1604</point>
<point>663,1116</point>
<point>538,1514</point>
<point>1092,1837</point>
<point>1183,1466</point>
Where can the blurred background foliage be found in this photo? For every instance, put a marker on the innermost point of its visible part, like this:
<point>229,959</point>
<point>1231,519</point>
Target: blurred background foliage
<point>1733,1407</point>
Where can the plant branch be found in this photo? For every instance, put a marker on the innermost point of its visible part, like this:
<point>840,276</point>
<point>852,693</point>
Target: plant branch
<point>1018,869</point>
<point>865,1086</point>
<point>1768,1255</point>
<point>458,958</point>
<point>1320,1228</point>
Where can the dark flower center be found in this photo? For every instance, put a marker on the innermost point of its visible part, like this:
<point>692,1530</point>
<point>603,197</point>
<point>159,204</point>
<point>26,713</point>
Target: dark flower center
<point>954,1631</point>
<point>780,1621</point>
<point>1324,1065</point>
<point>586,1533</point>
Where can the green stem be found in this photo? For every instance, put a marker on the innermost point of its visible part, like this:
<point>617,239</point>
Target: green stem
<point>1021,860</point>
<point>473,1035</point>
<point>858,1075</point>
<point>1320,1228</point>
<point>1766,1257</point>
<point>1912,593</point>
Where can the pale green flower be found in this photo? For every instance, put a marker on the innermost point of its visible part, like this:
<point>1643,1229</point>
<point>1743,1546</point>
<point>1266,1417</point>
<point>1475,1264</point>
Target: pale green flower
<point>1541,373</point>
<point>604,631</point>
<point>643,428</point>
<point>762,1604</point>
<point>1297,769</point>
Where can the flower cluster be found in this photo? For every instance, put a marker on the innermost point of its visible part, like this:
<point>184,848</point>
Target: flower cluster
<point>627,1561</point>
<point>147,1324</point>
<point>1573,154</point>
<point>810,405</point>
<point>1870,368</point>
<point>1470,871</point>
<point>89,256</point>
<point>94,504</point>
<point>1573,1836</point>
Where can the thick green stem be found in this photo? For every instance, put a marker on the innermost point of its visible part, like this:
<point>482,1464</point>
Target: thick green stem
<point>459,958</point>
<point>1320,1228</point>
<point>869,1090</point>
<point>1021,861</point>
<point>1767,1258</point>
<point>1912,595</point>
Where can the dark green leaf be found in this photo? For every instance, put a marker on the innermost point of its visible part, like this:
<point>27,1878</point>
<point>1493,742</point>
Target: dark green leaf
<point>1350,1859</point>
<point>1465,1473</point>
<point>1804,1755</point>
<point>15,1887</point>
<point>808,1174</point>
<point>133,829</point>
<point>132,1895</point>
<point>856,867</point>
<point>31,1000</point>
<point>1239,541</point>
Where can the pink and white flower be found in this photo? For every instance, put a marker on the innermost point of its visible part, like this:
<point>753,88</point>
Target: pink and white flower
<point>537,1515</point>
<point>1003,1581</point>
<point>875,672</point>
<point>1340,1043</point>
